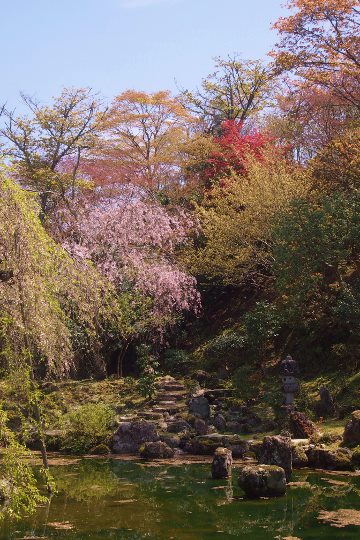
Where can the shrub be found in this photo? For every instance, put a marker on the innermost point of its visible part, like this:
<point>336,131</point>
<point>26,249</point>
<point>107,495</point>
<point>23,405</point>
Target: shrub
<point>148,365</point>
<point>224,348</point>
<point>86,427</point>
<point>176,361</point>
<point>243,380</point>
<point>261,326</point>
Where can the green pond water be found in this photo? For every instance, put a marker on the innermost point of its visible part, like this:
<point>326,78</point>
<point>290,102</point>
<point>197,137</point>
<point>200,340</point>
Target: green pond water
<point>111,499</point>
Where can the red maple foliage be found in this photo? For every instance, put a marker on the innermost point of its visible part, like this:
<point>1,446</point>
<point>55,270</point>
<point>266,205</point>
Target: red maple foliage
<point>234,144</point>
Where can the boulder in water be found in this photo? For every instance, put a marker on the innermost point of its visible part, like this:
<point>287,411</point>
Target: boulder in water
<point>222,463</point>
<point>156,450</point>
<point>262,481</point>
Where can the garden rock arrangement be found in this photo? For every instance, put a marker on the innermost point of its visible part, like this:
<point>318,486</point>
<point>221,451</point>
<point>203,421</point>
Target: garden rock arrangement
<point>207,423</point>
<point>262,481</point>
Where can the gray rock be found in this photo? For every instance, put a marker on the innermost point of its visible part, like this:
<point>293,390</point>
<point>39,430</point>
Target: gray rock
<point>238,446</point>
<point>326,407</point>
<point>219,422</point>
<point>200,426</point>
<point>200,407</point>
<point>171,440</point>
<point>222,463</point>
<point>178,426</point>
<point>207,444</point>
<point>352,429</point>
<point>262,481</point>
<point>156,450</point>
<point>131,435</point>
<point>235,427</point>
<point>276,450</point>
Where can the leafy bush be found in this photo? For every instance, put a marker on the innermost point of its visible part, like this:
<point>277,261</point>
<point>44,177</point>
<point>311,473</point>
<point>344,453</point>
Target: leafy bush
<point>148,367</point>
<point>86,427</point>
<point>227,347</point>
<point>243,380</point>
<point>316,246</point>
<point>177,361</point>
<point>261,325</point>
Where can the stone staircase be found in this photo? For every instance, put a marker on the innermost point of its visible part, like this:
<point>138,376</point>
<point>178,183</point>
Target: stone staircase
<point>171,397</point>
<point>169,401</point>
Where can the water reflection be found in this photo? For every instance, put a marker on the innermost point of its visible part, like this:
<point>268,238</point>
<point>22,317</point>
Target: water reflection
<point>106,499</point>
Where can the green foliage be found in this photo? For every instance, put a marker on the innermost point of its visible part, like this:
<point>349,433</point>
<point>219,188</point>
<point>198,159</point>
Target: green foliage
<point>86,427</point>
<point>261,326</point>
<point>53,308</point>
<point>236,217</point>
<point>304,402</point>
<point>244,380</point>
<point>176,361</point>
<point>225,348</point>
<point>316,250</point>
<point>18,483</point>
<point>148,366</point>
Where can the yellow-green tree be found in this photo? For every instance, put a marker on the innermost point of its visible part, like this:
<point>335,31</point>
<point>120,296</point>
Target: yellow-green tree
<point>236,217</point>
<point>48,145</point>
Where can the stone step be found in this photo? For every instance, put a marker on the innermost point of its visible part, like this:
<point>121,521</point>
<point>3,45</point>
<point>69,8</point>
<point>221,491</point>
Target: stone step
<point>152,415</point>
<point>127,418</point>
<point>166,403</point>
<point>169,409</point>
<point>173,387</point>
<point>171,397</point>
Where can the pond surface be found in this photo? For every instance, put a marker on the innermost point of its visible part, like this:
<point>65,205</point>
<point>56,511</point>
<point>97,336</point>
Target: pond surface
<point>127,500</point>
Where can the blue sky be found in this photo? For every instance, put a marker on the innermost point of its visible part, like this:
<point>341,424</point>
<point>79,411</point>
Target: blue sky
<point>113,45</point>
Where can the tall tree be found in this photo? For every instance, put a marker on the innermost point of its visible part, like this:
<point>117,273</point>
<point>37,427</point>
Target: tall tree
<point>141,141</point>
<point>308,118</point>
<point>237,90</point>
<point>48,145</point>
<point>320,43</point>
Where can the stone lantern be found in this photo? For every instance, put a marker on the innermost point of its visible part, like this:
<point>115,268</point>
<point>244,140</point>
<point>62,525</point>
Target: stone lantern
<point>288,370</point>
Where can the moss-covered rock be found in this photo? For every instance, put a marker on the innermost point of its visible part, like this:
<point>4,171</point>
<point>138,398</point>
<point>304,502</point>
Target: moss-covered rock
<point>356,456</point>
<point>156,450</point>
<point>299,457</point>
<point>352,430</point>
<point>336,459</point>
<point>262,481</point>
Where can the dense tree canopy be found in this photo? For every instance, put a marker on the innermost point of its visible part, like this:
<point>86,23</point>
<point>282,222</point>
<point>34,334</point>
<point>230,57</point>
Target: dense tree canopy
<point>320,42</point>
<point>141,141</point>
